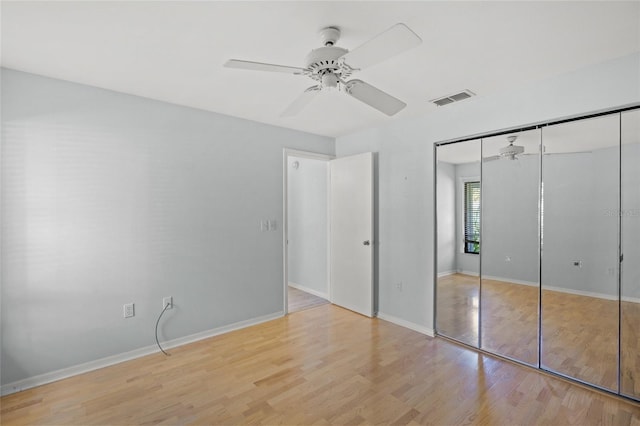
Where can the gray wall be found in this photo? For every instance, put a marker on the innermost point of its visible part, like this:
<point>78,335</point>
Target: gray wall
<point>108,199</point>
<point>308,224</point>
<point>446,217</point>
<point>630,278</point>
<point>579,190</point>
<point>405,155</point>
<point>510,219</point>
<point>580,221</point>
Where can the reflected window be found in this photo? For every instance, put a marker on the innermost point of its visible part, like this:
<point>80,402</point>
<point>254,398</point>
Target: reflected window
<point>472,217</point>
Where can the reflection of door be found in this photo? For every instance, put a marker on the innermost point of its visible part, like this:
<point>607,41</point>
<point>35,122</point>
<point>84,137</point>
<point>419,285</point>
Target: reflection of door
<point>351,246</point>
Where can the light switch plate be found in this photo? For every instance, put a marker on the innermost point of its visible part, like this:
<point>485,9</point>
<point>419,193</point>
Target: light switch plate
<point>129,310</point>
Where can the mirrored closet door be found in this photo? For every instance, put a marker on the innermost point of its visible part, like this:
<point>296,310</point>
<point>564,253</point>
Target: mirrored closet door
<point>510,242</point>
<point>630,244</point>
<point>579,266</point>
<point>538,247</point>
<point>458,282</point>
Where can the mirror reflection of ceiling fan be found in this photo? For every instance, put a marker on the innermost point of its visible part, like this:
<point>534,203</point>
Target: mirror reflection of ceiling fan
<point>509,152</point>
<point>513,152</point>
<point>330,66</point>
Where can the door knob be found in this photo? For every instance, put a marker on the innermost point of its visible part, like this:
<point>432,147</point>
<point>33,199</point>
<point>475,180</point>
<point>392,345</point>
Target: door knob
<point>366,243</point>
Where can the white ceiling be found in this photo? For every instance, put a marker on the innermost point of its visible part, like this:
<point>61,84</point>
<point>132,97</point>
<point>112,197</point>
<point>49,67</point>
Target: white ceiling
<point>174,51</point>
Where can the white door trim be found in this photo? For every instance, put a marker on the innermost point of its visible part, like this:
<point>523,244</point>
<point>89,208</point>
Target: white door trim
<point>287,152</point>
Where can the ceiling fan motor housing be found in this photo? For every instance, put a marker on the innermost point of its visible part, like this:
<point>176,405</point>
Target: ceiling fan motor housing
<point>325,61</point>
<point>511,151</point>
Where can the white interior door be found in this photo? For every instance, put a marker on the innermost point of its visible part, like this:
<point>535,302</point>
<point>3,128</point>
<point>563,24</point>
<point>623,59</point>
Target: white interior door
<point>351,239</point>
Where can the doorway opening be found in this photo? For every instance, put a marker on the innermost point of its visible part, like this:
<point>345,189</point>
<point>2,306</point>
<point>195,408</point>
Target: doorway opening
<point>306,230</point>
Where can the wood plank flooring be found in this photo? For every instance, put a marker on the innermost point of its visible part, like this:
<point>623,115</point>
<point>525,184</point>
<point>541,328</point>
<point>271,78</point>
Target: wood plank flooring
<point>579,333</point>
<point>321,366</point>
<point>580,337</point>
<point>458,307</point>
<point>510,320</point>
<point>300,300</point>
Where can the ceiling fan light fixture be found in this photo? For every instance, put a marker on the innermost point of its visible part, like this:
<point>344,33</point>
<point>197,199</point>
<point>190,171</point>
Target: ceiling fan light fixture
<point>330,81</point>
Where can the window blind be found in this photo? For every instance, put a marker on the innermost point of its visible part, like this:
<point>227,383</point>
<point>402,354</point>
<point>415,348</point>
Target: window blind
<point>472,217</point>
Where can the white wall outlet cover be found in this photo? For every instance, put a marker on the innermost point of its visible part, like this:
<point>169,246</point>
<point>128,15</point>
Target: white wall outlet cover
<point>273,225</point>
<point>264,225</point>
<point>167,301</point>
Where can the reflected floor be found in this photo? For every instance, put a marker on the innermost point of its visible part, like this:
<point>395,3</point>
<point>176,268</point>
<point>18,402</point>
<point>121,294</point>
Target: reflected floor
<point>580,337</point>
<point>510,320</point>
<point>630,349</point>
<point>580,333</point>
<point>457,307</point>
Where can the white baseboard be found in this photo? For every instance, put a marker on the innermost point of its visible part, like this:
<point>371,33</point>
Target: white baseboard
<point>565,290</point>
<point>64,373</point>
<point>445,273</point>
<point>470,273</point>
<point>580,292</point>
<point>407,324</point>
<point>592,294</point>
<point>309,290</point>
<point>510,281</point>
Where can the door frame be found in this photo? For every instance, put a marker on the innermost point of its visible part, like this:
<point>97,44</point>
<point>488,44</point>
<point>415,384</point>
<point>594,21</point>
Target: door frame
<point>286,153</point>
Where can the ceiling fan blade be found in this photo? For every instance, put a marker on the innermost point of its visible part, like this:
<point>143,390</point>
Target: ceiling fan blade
<point>385,45</point>
<point>301,101</point>
<point>374,97</point>
<point>259,66</point>
<point>492,158</point>
<point>568,153</point>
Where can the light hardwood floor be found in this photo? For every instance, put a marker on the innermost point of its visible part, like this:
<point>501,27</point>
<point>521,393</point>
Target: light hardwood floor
<point>325,366</point>
<point>579,333</point>
<point>300,300</point>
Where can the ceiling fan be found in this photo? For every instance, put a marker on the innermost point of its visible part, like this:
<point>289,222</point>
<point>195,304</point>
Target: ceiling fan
<point>330,66</point>
<point>509,152</point>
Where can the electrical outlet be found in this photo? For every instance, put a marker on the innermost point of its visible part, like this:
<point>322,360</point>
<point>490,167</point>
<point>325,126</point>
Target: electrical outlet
<point>129,310</point>
<point>167,301</point>
<point>399,286</point>
<point>264,225</point>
